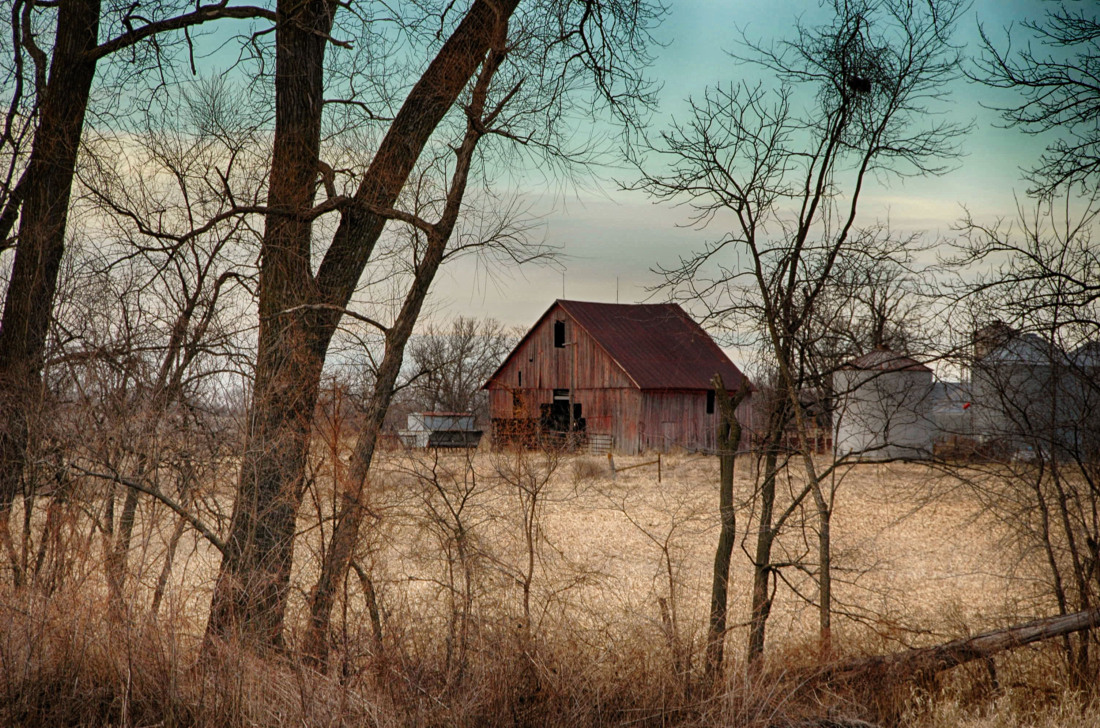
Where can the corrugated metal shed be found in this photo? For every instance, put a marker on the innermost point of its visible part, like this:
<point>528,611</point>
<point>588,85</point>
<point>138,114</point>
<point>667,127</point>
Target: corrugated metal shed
<point>440,429</point>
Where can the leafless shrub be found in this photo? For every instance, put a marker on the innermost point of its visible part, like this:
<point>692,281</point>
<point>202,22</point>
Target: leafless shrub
<point>587,469</point>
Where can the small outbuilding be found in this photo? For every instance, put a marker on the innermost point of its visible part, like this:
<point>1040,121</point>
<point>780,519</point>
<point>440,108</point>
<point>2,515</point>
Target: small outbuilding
<point>440,429</point>
<point>883,407</point>
<point>638,375</point>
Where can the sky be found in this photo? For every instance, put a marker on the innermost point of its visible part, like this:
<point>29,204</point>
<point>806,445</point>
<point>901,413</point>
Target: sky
<point>609,240</point>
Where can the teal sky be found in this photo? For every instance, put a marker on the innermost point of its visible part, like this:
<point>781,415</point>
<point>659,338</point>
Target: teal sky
<point>607,236</point>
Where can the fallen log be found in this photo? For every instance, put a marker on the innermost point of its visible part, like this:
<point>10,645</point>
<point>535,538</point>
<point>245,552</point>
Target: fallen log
<point>930,660</point>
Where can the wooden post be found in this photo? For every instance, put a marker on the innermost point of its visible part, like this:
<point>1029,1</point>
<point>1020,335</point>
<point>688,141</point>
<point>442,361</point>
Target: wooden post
<point>658,467</point>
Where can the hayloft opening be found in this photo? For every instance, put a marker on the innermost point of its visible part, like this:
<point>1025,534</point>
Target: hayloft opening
<point>559,334</point>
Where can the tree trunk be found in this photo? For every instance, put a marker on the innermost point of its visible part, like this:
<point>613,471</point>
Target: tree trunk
<point>729,438</point>
<point>957,652</point>
<point>45,188</point>
<point>299,312</point>
<point>761,563</point>
<point>341,549</point>
<point>166,568</point>
<point>117,556</point>
<point>250,595</point>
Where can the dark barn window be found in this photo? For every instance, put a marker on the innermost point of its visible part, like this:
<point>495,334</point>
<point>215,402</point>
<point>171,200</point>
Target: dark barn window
<point>520,372</point>
<point>559,334</point>
<point>710,402</point>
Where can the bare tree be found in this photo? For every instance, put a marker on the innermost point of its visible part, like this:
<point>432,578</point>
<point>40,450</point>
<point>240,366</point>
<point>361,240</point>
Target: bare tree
<point>1035,385</point>
<point>790,182</point>
<point>176,237</point>
<point>502,73</point>
<point>528,478</point>
<point>449,365</point>
<point>729,440</point>
<point>54,89</point>
<point>1053,73</point>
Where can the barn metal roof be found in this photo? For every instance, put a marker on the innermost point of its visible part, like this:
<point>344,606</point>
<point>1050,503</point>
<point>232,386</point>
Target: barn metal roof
<point>884,360</point>
<point>657,344</point>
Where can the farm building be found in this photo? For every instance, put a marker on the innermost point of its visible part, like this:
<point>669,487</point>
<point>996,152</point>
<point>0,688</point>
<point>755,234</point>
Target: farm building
<point>635,375</point>
<point>440,429</point>
<point>951,413</point>
<point>1085,366</point>
<point>1029,394</point>
<point>883,407</point>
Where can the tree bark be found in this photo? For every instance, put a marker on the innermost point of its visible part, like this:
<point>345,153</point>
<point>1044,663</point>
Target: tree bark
<point>762,566</point>
<point>729,438</point>
<point>825,575</point>
<point>45,190</point>
<point>250,593</point>
<point>957,652</point>
<point>250,596</point>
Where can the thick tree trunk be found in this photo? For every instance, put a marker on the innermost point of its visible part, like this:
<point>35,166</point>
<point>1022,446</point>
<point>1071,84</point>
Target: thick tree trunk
<point>300,312</point>
<point>250,595</point>
<point>45,189</point>
<point>729,438</point>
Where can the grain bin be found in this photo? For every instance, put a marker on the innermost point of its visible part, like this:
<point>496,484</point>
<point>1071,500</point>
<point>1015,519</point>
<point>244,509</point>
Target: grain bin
<point>883,404</point>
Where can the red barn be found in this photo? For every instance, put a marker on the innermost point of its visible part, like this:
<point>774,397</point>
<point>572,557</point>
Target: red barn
<point>639,373</point>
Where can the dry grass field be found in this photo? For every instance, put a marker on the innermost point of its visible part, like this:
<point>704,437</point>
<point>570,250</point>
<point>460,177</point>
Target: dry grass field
<point>917,560</point>
<point>540,589</point>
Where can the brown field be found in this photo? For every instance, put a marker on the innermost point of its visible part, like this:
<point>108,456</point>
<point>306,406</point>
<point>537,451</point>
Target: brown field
<point>619,579</point>
<point>916,559</point>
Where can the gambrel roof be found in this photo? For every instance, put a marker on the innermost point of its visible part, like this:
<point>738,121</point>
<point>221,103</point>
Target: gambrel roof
<point>657,345</point>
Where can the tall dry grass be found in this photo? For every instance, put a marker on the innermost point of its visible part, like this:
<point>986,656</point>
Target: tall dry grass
<point>591,648</point>
<point>70,661</point>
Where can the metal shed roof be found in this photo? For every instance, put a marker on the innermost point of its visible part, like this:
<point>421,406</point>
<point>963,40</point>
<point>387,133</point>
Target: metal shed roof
<point>657,344</point>
<point>884,360</point>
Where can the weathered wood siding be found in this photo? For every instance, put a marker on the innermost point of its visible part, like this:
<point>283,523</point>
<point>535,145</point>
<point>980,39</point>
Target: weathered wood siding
<point>671,419</point>
<point>610,401</point>
<point>538,364</point>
